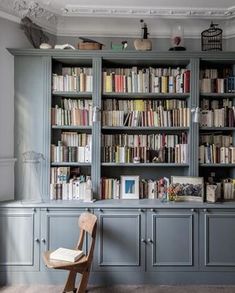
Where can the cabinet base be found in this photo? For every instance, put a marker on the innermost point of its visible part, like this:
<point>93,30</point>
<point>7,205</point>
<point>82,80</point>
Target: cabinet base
<point>111,278</point>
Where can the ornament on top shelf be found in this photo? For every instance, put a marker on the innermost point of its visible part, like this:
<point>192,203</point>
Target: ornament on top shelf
<point>211,38</point>
<point>143,44</point>
<point>88,44</point>
<point>177,39</point>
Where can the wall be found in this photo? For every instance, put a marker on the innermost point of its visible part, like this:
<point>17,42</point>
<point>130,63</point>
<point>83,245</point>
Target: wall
<point>10,36</point>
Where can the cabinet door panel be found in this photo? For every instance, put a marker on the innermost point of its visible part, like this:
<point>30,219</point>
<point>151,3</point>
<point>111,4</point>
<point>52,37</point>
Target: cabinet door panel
<point>60,229</point>
<point>19,233</point>
<point>171,243</point>
<point>218,240</point>
<point>119,245</point>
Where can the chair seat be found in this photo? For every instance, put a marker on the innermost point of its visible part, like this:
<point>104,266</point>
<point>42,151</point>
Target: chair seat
<point>58,264</point>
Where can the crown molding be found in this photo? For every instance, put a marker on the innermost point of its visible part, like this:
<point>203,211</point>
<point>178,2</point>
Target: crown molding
<point>118,21</point>
<point>112,11</point>
<point>9,17</point>
<point>15,10</point>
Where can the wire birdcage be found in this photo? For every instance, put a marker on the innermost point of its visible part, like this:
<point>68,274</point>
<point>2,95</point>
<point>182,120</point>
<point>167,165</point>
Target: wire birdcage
<point>211,39</point>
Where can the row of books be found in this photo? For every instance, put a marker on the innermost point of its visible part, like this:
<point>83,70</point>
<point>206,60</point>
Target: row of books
<point>78,83</point>
<point>72,138</point>
<point>151,141</point>
<point>76,71</point>
<point>219,85</point>
<point>142,105</point>
<point>74,189</point>
<point>214,73</point>
<point>160,118</point>
<point>224,117</point>
<point>148,188</point>
<point>79,117</point>
<point>223,189</point>
<point>219,140</point>
<point>208,104</point>
<point>118,154</point>
<point>211,154</point>
<point>146,80</point>
<point>61,153</point>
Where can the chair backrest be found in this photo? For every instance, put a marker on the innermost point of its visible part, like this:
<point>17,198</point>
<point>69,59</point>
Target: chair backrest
<point>87,222</point>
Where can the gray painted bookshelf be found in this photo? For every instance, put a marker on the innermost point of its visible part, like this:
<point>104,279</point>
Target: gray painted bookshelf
<point>52,59</point>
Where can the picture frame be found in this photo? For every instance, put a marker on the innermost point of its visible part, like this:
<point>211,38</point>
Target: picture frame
<point>129,187</point>
<point>191,188</point>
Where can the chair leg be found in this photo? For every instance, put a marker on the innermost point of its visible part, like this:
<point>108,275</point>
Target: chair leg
<point>70,284</point>
<point>82,288</point>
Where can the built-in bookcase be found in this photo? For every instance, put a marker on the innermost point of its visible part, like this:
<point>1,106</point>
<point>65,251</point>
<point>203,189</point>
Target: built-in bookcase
<point>217,125</point>
<point>40,104</point>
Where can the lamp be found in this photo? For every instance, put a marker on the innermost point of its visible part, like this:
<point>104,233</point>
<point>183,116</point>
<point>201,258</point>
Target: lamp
<point>196,114</point>
<point>96,114</point>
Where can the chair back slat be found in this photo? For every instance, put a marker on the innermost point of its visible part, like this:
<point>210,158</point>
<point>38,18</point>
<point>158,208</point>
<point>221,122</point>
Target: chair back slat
<point>87,222</point>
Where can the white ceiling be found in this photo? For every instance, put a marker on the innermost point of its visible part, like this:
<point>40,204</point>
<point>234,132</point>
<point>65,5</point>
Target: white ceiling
<point>121,18</point>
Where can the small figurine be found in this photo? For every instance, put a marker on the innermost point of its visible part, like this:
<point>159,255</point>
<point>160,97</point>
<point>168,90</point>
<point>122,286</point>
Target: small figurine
<point>143,44</point>
<point>88,191</point>
<point>119,47</point>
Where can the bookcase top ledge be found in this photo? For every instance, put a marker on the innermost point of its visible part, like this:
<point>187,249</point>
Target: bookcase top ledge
<point>106,54</point>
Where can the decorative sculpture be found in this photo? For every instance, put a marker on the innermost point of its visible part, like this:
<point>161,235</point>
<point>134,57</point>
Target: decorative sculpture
<point>143,44</point>
<point>33,32</point>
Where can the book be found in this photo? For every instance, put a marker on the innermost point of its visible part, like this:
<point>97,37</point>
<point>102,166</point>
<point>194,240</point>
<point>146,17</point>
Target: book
<point>65,254</point>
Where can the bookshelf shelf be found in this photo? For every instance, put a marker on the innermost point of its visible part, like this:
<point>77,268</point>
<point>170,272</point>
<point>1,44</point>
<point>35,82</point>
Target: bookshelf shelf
<point>144,128</point>
<point>143,165</point>
<point>72,94</point>
<point>146,95</point>
<point>217,128</point>
<point>217,165</point>
<point>70,164</point>
<point>71,127</point>
<point>218,95</point>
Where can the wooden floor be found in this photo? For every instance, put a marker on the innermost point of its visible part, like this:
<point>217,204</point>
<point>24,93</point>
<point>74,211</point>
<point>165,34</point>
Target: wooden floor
<point>123,289</point>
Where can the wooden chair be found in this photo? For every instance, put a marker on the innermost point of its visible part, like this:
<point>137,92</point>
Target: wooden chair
<point>87,223</point>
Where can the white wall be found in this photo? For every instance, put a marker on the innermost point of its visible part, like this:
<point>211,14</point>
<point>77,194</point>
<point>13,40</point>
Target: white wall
<point>11,36</point>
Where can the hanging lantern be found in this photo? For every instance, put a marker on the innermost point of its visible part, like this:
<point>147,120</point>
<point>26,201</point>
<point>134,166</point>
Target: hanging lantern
<point>211,39</point>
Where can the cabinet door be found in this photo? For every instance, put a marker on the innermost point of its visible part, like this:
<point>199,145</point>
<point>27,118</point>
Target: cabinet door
<point>19,240</point>
<point>172,239</point>
<point>218,239</point>
<point>59,228</point>
<point>118,245</point>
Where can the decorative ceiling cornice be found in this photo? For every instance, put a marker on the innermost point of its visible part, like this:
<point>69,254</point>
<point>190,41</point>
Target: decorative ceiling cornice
<point>105,11</point>
<point>20,8</point>
<point>74,20</point>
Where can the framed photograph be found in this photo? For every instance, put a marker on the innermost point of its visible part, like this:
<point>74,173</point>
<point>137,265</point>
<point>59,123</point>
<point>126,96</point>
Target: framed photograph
<point>130,187</point>
<point>189,188</point>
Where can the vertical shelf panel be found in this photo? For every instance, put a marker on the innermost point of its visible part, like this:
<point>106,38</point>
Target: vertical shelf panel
<point>194,127</point>
<point>45,178</point>
<point>96,127</point>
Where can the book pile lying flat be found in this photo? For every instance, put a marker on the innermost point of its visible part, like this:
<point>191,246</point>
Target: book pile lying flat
<point>65,254</point>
